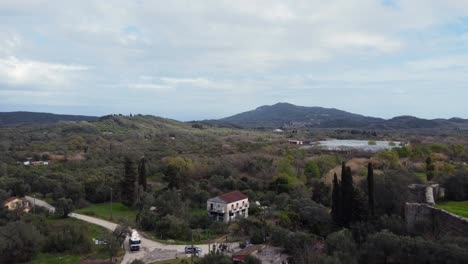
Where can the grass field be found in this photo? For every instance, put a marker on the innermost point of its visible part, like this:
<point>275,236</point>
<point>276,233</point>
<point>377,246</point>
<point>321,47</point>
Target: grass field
<point>120,212</point>
<point>458,208</point>
<point>422,176</point>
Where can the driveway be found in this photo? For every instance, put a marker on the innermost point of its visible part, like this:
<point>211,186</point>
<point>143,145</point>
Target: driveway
<point>150,250</point>
<point>40,203</point>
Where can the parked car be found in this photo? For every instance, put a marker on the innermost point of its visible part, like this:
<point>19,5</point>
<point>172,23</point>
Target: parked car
<point>192,250</point>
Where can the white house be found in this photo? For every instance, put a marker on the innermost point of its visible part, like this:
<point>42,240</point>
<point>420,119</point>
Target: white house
<point>295,142</point>
<point>228,206</point>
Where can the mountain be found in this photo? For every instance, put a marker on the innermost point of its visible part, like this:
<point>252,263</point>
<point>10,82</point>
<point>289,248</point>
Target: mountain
<point>21,117</point>
<point>288,115</point>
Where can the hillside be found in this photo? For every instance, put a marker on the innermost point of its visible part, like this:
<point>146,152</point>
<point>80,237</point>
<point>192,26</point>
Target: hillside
<point>21,117</point>
<point>287,115</point>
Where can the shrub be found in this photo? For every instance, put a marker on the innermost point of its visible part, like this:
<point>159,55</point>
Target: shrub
<point>19,242</point>
<point>172,227</point>
<point>68,237</point>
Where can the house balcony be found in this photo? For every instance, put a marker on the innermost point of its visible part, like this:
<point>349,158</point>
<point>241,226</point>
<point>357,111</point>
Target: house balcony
<point>214,210</point>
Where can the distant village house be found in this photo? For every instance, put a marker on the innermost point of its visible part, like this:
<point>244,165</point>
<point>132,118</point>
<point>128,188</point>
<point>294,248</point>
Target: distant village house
<point>228,206</point>
<point>295,142</point>
<point>35,163</point>
<point>17,204</point>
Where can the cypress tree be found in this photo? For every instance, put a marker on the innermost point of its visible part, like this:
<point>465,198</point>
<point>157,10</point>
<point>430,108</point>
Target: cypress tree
<point>430,168</point>
<point>129,182</point>
<point>343,169</point>
<point>336,200</point>
<point>142,173</point>
<point>370,187</point>
<point>347,196</point>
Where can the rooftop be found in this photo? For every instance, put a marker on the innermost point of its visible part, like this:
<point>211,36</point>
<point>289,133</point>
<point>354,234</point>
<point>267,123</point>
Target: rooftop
<point>232,197</point>
<point>10,199</point>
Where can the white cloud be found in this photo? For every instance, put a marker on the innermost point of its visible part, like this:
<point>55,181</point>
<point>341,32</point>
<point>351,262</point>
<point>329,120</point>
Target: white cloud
<point>150,87</point>
<point>439,63</point>
<point>365,41</point>
<point>14,71</point>
<point>263,50</point>
<point>9,43</point>
<point>170,83</point>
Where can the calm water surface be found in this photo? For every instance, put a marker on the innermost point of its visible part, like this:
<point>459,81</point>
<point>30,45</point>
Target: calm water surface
<point>339,144</point>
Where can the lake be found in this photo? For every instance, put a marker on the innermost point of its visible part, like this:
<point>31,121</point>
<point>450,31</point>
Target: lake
<point>339,144</point>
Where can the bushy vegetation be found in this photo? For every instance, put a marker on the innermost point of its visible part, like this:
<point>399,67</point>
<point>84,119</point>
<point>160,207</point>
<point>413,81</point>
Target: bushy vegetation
<point>161,172</point>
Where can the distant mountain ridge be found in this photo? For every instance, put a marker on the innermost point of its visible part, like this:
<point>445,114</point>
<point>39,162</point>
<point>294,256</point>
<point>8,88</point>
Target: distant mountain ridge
<point>288,115</point>
<point>280,115</point>
<point>23,117</point>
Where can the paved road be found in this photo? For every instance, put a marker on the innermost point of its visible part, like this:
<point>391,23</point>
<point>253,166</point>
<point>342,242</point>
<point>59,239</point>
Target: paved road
<point>151,250</point>
<point>40,203</point>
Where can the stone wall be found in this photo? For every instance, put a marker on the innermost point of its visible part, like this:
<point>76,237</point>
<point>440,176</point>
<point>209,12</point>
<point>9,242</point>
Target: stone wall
<point>423,218</point>
<point>425,193</point>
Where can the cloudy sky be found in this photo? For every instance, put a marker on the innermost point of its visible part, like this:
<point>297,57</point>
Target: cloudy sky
<point>208,59</point>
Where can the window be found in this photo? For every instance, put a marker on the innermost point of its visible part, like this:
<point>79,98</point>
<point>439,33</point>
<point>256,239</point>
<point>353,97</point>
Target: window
<point>211,206</point>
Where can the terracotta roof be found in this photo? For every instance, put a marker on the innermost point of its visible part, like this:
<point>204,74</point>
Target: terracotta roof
<point>10,199</point>
<point>232,197</point>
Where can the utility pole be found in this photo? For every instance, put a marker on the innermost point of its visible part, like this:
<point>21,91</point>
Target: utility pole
<point>34,204</point>
<point>111,203</point>
<point>111,241</point>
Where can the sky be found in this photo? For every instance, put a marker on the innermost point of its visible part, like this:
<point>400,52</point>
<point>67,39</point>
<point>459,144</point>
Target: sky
<point>192,60</point>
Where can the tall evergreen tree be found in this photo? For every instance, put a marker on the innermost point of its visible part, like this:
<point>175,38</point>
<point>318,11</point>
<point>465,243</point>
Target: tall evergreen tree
<point>129,182</point>
<point>347,196</point>
<point>142,173</point>
<point>336,200</point>
<point>343,169</point>
<point>430,168</point>
<point>370,187</point>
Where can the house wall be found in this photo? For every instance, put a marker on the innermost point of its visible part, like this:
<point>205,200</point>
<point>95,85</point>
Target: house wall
<point>18,203</point>
<point>236,209</point>
<point>232,210</point>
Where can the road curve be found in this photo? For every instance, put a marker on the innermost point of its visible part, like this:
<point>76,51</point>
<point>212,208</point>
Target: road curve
<point>151,250</point>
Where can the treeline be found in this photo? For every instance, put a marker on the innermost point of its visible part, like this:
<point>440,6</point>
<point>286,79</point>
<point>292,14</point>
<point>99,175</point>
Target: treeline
<point>24,236</point>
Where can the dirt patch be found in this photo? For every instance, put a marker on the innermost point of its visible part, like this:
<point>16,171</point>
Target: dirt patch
<point>358,167</point>
<point>70,157</point>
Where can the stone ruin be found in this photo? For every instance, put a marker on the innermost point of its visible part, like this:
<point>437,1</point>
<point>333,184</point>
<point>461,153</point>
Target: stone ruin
<point>422,217</point>
<point>425,193</point>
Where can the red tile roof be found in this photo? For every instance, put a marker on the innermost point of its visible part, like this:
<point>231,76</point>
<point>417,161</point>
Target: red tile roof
<point>232,197</point>
<point>9,199</point>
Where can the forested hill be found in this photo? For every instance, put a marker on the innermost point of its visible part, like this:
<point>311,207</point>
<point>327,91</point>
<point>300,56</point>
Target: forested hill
<point>284,115</point>
<point>21,117</point>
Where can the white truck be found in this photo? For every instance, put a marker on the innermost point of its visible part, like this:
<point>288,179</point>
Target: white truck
<point>134,241</point>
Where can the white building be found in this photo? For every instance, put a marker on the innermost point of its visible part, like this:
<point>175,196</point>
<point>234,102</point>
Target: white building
<point>295,142</point>
<point>228,206</point>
